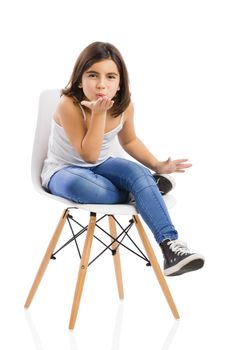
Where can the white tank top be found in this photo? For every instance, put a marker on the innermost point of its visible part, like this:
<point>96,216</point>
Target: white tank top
<point>61,153</point>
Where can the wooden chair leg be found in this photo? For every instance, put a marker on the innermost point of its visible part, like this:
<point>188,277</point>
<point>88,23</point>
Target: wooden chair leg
<point>46,258</point>
<point>116,258</point>
<point>155,265</point>
<point>82,270</point>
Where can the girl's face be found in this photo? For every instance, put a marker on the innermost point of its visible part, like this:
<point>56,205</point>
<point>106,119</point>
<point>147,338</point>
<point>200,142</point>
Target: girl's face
<point>101,79</point>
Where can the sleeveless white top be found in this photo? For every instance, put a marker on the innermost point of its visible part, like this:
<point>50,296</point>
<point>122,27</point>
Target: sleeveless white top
<point>61,153</point>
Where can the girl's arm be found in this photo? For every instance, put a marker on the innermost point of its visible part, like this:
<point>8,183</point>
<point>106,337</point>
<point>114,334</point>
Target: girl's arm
<point>136,149</point>
<point>86,142</point>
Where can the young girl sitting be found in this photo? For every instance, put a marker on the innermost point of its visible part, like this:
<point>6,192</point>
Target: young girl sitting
<point>94,107</point>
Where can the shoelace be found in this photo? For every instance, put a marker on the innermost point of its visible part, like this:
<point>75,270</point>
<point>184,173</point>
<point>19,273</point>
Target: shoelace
<point>178,247</point>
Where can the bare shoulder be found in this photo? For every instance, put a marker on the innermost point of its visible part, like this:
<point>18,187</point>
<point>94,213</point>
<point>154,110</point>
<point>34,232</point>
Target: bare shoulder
<point>67,104</point>
<point>67,108</point>
<point>69,116</point>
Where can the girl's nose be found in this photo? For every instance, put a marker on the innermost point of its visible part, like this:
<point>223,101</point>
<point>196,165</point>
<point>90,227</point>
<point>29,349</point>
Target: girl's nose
<point>101,83</point>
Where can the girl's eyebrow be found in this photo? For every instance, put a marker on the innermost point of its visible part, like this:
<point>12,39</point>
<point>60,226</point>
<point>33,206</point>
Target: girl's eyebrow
<point>113,73</point>
<point>93,71</point>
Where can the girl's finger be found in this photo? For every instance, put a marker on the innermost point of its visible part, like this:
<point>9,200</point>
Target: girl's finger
<point>183,165</point>
<point>180,160</point>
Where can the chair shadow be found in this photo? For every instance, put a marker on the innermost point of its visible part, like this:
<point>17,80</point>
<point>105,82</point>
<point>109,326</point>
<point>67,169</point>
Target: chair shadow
<point>34,333</point>
<point>171,335</point>
<point>116,332</point>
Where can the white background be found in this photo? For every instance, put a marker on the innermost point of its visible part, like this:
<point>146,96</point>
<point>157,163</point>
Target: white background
<point>179,56</point>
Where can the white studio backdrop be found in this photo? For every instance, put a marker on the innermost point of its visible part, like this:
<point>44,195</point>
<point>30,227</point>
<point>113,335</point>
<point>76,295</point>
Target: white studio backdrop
<point>179,55</point>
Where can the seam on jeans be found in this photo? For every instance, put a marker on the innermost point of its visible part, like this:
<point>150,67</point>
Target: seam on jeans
<point>150,217</point>
<point>131,184</point>
<point>78,175</point>
<point>146,211</point>
<point>110,173</point>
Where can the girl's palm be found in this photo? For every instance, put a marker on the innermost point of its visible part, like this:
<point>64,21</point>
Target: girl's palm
<point>99,106</point>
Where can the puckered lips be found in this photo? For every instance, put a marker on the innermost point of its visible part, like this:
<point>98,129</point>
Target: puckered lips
<point>100,95</point>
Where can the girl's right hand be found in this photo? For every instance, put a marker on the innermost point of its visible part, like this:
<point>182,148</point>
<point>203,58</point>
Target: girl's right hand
<point>100,105</point>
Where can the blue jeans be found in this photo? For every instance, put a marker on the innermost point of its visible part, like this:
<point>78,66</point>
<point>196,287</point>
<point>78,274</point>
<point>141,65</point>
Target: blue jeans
<point>110,183</point>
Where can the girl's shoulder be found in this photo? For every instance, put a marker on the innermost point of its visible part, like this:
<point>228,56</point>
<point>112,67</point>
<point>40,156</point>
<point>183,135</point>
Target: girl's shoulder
<point>67,108</point>
<point>68,104</point>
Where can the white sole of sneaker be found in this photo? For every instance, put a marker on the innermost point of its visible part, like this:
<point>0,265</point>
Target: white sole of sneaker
<point>191,263</point>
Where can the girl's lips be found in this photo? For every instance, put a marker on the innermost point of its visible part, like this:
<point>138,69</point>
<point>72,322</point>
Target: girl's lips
<point>100,95</point>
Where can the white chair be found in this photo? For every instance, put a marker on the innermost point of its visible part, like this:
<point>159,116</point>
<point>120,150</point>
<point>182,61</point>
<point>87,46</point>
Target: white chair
<point>47,103</point>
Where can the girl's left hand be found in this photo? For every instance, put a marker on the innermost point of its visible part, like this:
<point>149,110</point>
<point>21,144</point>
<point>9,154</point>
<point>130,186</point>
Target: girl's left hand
<point>100,105</point>
<point>172,166</point>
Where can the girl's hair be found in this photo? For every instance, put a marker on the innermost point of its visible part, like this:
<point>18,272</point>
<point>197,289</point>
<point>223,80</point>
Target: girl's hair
<point>93,53</point>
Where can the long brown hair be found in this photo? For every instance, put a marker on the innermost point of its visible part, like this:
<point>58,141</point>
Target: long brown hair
<point>93,53</point>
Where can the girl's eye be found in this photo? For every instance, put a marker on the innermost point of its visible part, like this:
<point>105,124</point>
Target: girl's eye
<point>111,77</point>
<point>92,75</point>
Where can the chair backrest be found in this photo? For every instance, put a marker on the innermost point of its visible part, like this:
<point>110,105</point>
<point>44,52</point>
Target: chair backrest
<point>47,104</point>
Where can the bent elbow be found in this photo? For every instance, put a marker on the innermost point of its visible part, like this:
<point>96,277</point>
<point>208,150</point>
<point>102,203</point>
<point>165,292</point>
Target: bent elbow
<point>89,156</point>
<point>90,159</point>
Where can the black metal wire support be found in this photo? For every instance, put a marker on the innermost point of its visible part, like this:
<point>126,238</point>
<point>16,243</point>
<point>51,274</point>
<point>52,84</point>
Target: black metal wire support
<point>119,239</point>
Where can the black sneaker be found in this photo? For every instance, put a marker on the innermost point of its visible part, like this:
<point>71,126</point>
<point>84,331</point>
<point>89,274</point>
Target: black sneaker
<point>165,183</point>
<point>178,259</point>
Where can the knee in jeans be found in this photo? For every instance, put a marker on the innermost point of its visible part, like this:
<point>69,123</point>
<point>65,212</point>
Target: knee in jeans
<point>138,170</point>
<point>140,177</point>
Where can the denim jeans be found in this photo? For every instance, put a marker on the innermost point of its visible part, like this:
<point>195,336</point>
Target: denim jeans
<point>110,183</point>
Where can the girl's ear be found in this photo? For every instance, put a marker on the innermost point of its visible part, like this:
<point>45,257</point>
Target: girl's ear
<point>118,88</point>
<point>80,85</point>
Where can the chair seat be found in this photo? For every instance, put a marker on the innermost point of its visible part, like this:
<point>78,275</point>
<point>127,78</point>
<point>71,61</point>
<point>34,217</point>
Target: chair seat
<point>109,209</point>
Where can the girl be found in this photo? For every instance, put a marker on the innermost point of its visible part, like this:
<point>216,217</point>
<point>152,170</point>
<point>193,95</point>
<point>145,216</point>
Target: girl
<point>94,107</point>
